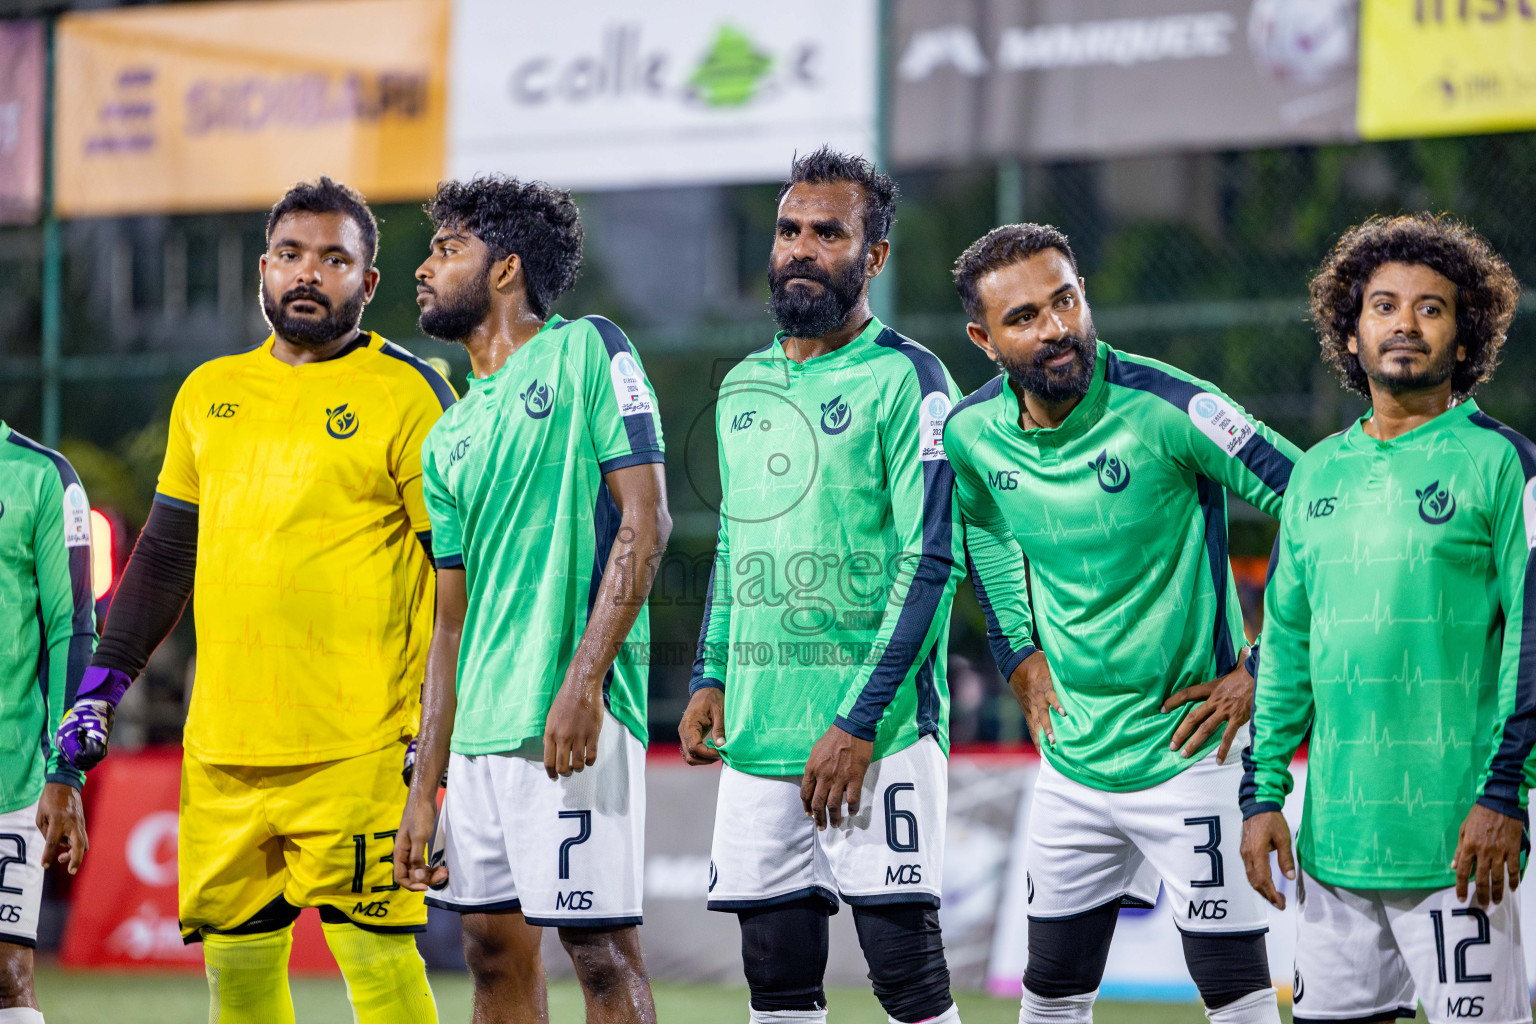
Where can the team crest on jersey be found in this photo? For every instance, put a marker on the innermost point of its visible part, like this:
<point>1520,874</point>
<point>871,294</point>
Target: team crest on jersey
<point>629,388</point>
<point>930,427</point>
<point>1220,421</point>
<point>1114,475</point>
<point>341,422</point>
<point>835,416</point>
<point>538,399</point>
<point>1436,504</point>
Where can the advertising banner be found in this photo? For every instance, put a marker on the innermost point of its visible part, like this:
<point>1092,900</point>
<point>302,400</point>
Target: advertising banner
<point>21,121</point>
<point>1446,67</point>
<point>188,107</point>
<point>1091,78</point>
<point>615,94</point>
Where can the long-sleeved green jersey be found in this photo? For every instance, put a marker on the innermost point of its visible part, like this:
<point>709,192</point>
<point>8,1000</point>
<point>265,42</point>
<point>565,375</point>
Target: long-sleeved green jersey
<point>837,554</point>
<point>1103,542</point>
<point>1400,628</point>
<point>47,612</point>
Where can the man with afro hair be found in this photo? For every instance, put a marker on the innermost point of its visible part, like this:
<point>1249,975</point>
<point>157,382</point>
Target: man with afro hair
<point>1400,632</point>
<point>549,507</point>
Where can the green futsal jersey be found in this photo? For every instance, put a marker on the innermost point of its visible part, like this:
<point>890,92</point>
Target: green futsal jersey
<point>47,612</point>
<point>1400,629</point>
<point>1103,542</point>
<point>837,554</point>
<point>513,479</point>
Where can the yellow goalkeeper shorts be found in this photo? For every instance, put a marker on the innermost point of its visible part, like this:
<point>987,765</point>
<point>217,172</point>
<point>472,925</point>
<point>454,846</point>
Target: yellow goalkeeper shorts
<point>257,843</point>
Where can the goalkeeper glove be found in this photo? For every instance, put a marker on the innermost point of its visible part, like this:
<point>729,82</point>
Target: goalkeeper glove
<point>82,735</point>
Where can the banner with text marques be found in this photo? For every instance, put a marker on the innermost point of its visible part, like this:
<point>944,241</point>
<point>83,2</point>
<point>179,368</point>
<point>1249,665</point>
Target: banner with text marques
<point>598,94</point>
<point>1052,79</point>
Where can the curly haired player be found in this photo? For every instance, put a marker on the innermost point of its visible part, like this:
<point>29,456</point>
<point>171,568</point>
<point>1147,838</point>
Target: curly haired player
<point>1400,630</point>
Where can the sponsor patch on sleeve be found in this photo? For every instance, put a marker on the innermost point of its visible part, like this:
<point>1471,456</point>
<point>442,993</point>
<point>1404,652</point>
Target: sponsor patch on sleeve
<point>629,387</point>
<point>1220,421</point>
<point>930,426</point>
<point>77,517</point>
<point>1530,513</point>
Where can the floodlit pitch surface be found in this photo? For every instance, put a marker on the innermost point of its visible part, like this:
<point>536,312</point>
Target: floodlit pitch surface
<point>92,997</point>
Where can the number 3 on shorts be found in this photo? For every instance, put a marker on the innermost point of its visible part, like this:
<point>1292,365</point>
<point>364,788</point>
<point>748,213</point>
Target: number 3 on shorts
<point>1212,849</point>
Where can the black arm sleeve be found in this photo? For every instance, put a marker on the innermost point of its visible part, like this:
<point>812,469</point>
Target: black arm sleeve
<point>154,589</point>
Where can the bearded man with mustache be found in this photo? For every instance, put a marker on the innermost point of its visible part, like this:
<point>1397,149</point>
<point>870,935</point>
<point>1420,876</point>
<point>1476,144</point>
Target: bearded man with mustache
<point>1092,483</point>
<point>291,495</point>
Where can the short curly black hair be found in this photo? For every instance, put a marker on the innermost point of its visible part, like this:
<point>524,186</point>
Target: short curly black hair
<point>999,247</point>
<point>1486,291</point>
<point>828,165</point>
<point>326,196</point>
<point>537,221</point>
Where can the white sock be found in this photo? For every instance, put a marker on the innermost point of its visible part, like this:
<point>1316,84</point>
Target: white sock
<point>949,1016</point>
<point>1257,1007</point>
<point>776,1016</point>
<point>1078,1009</point>
<point>21,1015</point>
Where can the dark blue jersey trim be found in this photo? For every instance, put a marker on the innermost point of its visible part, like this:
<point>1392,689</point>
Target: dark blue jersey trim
<point>1400,1012</point>
<point>1213,507</point>
<point>449,561</point>
<point>1506,774</point>
<point>494,907</point>
<point>605,526</point>
<point>1263,459</point>
<point>82,593</point>
<point>632,459</point>
<point>886,899</point>
<point>582,922</point>
<point>440,387</point>
<point>1248,789</point>
<point>1003,653</point>
<point>905,650</point>
<point>166,499</point>
<point>699,680</point>
<point>641,427</point>
<point>988,391</point>
<point>809,892</point>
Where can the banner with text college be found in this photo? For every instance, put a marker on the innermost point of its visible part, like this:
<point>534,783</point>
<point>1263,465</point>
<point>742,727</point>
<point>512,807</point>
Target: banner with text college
<point>190,107</point>
<point>615,94</point>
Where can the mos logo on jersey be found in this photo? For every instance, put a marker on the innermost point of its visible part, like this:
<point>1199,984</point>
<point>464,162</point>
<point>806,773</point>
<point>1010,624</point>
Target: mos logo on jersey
<point>835,416</point>
<point>1436,504</point>
<point>538,399</point>
<point>341,422</point>
<point>1114,475</point>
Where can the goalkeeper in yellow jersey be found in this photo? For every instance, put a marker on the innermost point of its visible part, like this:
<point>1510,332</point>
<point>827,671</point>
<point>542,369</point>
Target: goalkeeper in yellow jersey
<point>291,491</point>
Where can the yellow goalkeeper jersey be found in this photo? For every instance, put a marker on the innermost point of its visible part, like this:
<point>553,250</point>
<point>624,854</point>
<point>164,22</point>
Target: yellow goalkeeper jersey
<point>313,599</point>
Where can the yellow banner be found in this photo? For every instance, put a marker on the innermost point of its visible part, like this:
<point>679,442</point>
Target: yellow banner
<point>1446,67</point>
<point>220,106</point>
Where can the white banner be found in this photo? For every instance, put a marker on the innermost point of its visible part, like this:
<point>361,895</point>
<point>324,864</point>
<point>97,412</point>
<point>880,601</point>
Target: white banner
<point>616,94</point>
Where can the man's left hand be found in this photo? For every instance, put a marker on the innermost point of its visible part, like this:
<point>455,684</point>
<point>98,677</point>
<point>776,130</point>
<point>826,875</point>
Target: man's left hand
<point>571,730</point>
<point>1227,699</point>
<point>1489,846</point>
<point>834,775</point>
<point>61,820</point>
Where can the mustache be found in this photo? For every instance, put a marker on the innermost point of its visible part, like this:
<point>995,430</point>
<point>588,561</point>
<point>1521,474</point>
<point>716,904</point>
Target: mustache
<point>303,293</point>
<point>801,269</point>
<point>1400,342</point>
<point>1070,343</point>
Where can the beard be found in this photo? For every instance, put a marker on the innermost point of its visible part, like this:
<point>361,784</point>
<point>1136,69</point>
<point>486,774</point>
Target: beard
<point>307,332</point>
<point>812,312</point>
<point>455,315</point>
<point>1053,384</point>
<point>1401,380</point>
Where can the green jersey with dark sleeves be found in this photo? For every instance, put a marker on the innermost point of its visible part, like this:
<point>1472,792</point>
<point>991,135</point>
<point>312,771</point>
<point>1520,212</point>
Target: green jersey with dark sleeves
<point>513,479</point>
<point>47,612</point>
<point>837,554</point>
<point>1103,542</point>
<point>1400,629</point>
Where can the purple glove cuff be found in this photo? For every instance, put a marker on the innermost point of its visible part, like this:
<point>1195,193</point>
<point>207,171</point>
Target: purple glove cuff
<point>108,684</point>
